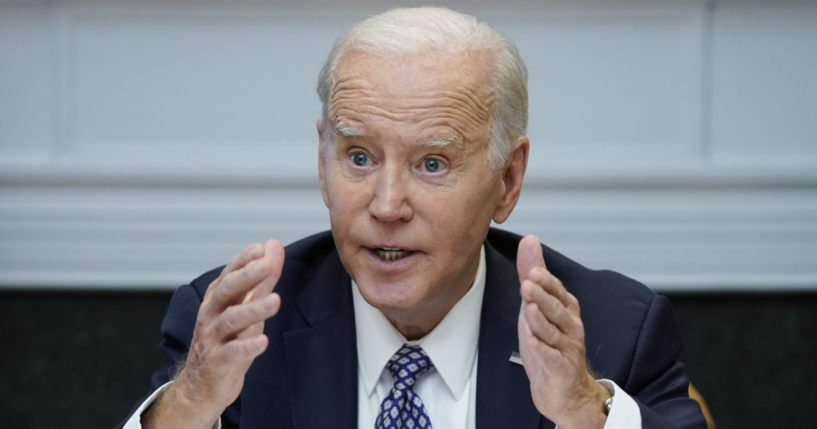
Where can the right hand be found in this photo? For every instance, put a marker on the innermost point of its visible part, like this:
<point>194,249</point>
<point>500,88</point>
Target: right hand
<point>228,336</point>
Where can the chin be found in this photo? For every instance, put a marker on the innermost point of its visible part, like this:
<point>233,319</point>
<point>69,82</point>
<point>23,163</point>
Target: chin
<point>387,297</point>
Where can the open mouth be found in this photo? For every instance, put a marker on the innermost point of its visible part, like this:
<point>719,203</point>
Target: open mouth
<point>390,253</point>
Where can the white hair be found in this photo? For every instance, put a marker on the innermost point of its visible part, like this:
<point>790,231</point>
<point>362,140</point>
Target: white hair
<point>402,32</point>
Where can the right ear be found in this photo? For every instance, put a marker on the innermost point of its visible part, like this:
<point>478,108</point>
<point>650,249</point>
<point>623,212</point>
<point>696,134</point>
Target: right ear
<point>322,161</point>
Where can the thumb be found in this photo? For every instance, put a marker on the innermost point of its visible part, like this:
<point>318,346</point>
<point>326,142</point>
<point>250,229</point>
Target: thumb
<point>528,256</point>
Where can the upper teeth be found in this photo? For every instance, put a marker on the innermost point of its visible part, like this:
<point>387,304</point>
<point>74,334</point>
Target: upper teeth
<point>391,253</point>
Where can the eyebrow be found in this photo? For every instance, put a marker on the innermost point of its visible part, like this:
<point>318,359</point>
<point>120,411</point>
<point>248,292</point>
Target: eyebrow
<point>442,142</point>
<point>350,132</point>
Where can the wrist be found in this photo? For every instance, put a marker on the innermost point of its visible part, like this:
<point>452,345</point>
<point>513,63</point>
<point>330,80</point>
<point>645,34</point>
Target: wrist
<point>607,405</point>
<point>175,409</point>
<point>589,410</point>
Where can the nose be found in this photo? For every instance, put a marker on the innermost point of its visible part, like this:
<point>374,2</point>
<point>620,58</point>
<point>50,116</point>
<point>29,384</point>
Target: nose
<point>390,202</point>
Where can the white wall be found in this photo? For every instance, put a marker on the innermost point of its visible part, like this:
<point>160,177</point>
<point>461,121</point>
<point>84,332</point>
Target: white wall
<point>142,143</point>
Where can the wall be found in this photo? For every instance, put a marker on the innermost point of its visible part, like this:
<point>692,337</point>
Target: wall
<point>143,142</point>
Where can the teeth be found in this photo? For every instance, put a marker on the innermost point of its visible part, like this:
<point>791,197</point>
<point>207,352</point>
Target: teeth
<point>391,253</point>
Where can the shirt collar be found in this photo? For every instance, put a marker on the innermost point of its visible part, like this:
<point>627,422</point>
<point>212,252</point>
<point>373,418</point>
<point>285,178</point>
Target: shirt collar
<point>451,345</point>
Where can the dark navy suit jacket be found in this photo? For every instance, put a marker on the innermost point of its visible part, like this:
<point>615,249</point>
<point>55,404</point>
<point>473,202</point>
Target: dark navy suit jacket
<point>307,378</point>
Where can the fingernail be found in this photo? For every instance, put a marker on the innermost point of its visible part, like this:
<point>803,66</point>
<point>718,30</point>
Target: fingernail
<point>541,275</point>
<point>260,266</point>
<point>268,302</point>
<point>254,252</point>
<point>259,343</point>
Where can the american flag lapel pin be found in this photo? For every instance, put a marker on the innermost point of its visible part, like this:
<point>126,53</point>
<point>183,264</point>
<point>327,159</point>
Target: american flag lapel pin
<point>515,358</point>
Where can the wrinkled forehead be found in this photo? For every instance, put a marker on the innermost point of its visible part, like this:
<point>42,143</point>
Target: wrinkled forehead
<point>440,70</point>
<point>432,82</point>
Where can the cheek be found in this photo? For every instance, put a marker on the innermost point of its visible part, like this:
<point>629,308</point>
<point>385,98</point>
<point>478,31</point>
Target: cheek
<point>471,203</point>
<point>344,200</point>
<point>489,194</point>
<point>471,215</point>
<point>454,215</point>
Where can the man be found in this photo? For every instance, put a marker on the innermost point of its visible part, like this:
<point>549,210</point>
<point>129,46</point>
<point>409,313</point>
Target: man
<point>413,312</point>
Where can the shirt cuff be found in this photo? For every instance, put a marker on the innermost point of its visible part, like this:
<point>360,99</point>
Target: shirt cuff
<point>624,413</point>
<point>135,420</point>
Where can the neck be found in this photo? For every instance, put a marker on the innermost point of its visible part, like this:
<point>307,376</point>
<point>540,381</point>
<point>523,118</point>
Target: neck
<point>416,322</point>
<point>415,331</point>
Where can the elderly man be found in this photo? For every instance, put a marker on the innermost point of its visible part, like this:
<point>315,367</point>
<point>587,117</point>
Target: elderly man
<point>413,312</point>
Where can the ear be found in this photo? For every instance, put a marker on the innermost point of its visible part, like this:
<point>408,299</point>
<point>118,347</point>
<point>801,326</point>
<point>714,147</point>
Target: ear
<point>511,181</point>
<point>322,148</point>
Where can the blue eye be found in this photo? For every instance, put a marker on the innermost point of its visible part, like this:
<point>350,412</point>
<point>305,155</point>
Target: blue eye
<point>431,165</point>
<point>360,159</point>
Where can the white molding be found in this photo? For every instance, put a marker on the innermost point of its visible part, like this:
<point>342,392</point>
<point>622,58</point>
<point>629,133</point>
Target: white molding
<point>97,236</point>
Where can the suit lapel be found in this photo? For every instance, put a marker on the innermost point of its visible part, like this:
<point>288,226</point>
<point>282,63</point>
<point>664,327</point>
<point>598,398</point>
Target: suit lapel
<point>322,358</point>
<point>503,390</point>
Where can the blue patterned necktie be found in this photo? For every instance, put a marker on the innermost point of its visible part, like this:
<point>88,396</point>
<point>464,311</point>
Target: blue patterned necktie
<point>403,408</point>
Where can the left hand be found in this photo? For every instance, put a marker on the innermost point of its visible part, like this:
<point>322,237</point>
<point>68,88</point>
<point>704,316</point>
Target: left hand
<point>551,344</point>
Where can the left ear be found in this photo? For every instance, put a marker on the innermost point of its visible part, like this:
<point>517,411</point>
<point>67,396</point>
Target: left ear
<point>512,175</point>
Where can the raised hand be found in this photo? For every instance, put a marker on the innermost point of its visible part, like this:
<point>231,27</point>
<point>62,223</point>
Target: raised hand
<point>551,344</point>
<point>228,336</point>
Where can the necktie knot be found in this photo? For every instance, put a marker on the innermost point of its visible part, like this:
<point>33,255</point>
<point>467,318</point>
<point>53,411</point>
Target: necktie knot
<point>407,364</point>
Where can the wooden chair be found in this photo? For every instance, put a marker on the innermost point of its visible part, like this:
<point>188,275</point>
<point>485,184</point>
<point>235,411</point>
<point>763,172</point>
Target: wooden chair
<point>694,394</point>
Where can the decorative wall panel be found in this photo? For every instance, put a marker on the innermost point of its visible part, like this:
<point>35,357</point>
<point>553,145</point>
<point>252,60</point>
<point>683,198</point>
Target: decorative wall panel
<point>142,143</point>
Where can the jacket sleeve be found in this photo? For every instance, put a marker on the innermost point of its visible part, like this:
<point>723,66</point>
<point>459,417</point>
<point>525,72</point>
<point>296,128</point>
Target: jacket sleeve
<point>657,380</point>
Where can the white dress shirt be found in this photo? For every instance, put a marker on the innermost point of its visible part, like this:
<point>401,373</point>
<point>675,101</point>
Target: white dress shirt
<point>449,390</point>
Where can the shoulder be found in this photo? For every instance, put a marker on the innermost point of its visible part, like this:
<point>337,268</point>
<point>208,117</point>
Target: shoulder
<point>581,281</point>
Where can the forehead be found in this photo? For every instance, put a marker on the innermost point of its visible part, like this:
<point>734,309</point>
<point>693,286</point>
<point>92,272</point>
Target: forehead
<point>431,89</point>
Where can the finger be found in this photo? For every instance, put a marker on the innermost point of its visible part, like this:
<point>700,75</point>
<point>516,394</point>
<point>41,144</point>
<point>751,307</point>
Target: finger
<point>541,353</point>
<point>528,256</point>
<point>523,328</point>
<point>547,304</point>
<point>535,354</point>
<point>274,253</point>
<point>552,285</point>
<point>233,288</point>
<point>250,253</point>
<point>236,319</point>
<point>565,318</point>
<point>240,351</point>
<point>555,325</point>
<point>543,329</point>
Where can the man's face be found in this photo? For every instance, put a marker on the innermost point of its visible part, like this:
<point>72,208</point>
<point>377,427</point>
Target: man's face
<point>405,174</point>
